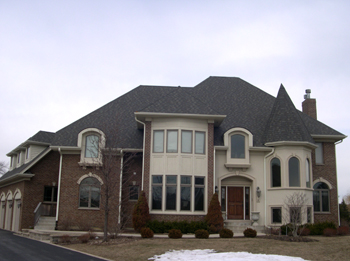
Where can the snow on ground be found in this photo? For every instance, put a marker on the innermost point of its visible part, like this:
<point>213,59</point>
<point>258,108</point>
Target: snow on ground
<point>209,254</point>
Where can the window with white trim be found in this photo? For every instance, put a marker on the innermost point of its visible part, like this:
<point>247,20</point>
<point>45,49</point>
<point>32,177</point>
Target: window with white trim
<point>237,146</point>
<point>308,173</point>
<point>294,172</point>
<point>319,153</point>
<point>275,172</point>
<point>91,146</point>
<point>199,142</point>
<point>321,197</point>
<point>172,141</point>
<point>186,141</point>
<point>276,215</point>
<point>89,193</point>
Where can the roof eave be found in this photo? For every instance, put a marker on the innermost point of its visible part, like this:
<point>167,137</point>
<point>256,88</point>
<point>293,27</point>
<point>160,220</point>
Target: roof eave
<point>329,138</point>
<point>291,143</point>
<point>15,179</point>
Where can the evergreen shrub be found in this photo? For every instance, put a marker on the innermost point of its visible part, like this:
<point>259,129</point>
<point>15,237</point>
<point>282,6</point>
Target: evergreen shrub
<point>140,215</point>
<point>214,217</point>
<point>249,232</point>
<point>202,233</point>
<point>226,233</point>
<point>146,232</point>
<point>175,233</point>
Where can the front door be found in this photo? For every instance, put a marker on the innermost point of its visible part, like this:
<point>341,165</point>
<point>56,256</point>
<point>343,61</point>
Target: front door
<point>235,203</point>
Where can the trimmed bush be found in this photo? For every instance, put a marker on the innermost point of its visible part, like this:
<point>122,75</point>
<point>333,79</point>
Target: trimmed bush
<point>140,215</point>
<point>214,217</point>
<point>184,226</point>
<point>146,232</point>
<point>304,232</point>
<point>343,231</point>
<point>84,238</point>
<point>329,232</point>
<point>249,232</point>
<point>319,227</point>
<point>175,233</point>
<point>226,233</point>
<point>201,233</point>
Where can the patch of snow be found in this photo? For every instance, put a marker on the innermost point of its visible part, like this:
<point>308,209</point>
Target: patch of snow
<point>211,255</point>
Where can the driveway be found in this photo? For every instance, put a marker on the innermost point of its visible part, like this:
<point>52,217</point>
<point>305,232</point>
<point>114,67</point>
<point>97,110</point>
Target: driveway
<point>15,248</point>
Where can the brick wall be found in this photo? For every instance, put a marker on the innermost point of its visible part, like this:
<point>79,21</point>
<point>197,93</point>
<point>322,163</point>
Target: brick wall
<point>309,108</point>
<point>328,172</point>
<point>70,215</point>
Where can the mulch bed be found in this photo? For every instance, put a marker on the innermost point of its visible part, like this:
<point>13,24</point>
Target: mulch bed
<point>289,238</point>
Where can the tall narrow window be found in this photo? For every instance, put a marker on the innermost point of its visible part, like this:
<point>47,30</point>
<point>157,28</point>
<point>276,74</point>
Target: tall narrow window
<point>237,146</point>
<point>91,146</point>
<point>321,197</point>
<point>186,192</point>
<point>319,153</point>
<point>199,142</point>
<point>223,198</point>
<point>170,193</point>
<point>186,141</point>
<point>199,193</point>
<point>294,172</point>
<point>172,141</point>
<point>157,185</point>
<point>275,172</point>
<point>90,193</point>
<point>158,141</point>
<point>308,213</point>
<point>307,171</point>
<point>27,153</point>
<point>246,202</point>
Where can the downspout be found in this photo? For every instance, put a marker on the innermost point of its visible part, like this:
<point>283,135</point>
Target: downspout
<point>143,150</point>
<point>265,189</point>
<point>59,186</point>
<point>214,176</point>
<point>337,182</point>
<point>120,184</point>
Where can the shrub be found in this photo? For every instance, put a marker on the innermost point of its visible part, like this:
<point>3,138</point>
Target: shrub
<point>175,233</point>
<point>84,238</point>
<point>319,227</point>
<point>342,231</point>
<point>65,239</point>
<point>226,233</point>
<point>184,226</point>
<point>328,232</point>
<point>202,233</point>
<point>273,231</point>
<point>249,232</point>
<point>285,229</point>
<point>303,232</point>
<point>214,217</point>
<point>146,232</point>
<point>140,215</point>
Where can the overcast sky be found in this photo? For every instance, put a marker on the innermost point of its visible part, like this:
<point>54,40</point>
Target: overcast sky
<point>60,60</point>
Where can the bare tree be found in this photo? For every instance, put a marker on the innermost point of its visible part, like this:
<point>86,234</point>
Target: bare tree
<point>3,168</point>
<point>295,211</point>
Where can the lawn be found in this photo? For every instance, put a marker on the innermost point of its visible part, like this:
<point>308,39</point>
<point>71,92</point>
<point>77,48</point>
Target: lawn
<point>130,249</point>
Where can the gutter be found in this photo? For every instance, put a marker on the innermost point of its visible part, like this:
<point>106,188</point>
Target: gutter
<point>143,150</point>
<point>120,185</point>
<point>265,189</point>
<point>59,185</point>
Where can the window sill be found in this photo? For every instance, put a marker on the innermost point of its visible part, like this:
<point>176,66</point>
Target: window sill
<point>238,165</point>
<point>84,208</point>
<point>171,212</point>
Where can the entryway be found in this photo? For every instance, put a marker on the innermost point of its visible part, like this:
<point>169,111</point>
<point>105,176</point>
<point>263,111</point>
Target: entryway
<point>238,202</point>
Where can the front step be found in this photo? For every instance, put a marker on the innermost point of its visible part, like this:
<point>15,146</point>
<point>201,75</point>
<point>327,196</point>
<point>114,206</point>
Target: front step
<point>238,226</point>
<point>46,223</point>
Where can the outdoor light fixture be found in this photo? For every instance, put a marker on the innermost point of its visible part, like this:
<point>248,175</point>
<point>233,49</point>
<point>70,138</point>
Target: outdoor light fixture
<point>216,189</point>
<point>258,192</point>
<point>134,173</point>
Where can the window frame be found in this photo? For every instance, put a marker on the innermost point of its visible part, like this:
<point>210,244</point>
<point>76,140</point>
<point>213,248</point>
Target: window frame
<point>272,215</point>
<point>320,198</point>
<point>292,174</point>
<point>241,147</point>
<point>154,142</point>
<point>202,152</point>
<point>172,150</point>
<point>96,185</point>
<point>170,186</point>
<point>157,185</point>
<point>273,174</point>
<point>185,185</point>
<point>191,141</point>
<point>87,148</point>
<point>319,155</point>
<point>307,173</point>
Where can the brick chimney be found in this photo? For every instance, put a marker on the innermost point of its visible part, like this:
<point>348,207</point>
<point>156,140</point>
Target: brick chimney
<point>309,105</point>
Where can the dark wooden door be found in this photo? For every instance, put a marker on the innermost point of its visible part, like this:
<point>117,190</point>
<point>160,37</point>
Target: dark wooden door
<point>235,203</point>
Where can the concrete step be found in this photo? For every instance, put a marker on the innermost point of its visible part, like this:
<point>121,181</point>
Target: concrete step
<point>46,223</point>
<point>238,226</point>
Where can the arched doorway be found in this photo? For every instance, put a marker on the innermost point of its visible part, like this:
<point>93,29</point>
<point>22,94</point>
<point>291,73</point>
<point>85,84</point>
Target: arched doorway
<point>16,210</point>
<point>2,209</point>
<point>8,211</point>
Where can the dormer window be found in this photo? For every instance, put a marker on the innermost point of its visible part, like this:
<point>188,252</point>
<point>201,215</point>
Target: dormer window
<point>91,146</point>
<point>237,146</point>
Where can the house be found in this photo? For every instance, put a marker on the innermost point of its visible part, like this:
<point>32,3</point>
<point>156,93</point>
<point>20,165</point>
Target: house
<point>223,135</point>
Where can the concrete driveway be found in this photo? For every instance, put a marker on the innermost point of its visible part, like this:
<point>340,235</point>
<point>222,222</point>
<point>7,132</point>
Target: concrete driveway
<point>15,248</point>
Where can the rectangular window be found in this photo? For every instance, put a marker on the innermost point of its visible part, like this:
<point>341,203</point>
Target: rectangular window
<point>199,142</point>
<point>170,193</point>
<point>186,141</point>
<point>319,153</point>
<point>171,141</point>
<point>199,193</point>
<point>133,192</point>
<point>50,194</point>
<point>223,198</point>
<point>91,146</point>
<point>157,188</point>
<point>158,141</point>
<point>325,201</point>
<point>27,153</point>
<point>317,202</point>
<point>308,215</point>
<point>276,215</point>
<point>186,192</point>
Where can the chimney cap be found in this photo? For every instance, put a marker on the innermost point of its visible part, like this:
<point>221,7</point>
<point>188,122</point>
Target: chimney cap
<point>308,90</point>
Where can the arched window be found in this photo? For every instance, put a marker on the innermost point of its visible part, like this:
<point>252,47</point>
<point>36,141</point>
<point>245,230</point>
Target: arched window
<point>307,172</point>
<point>294,172</point>
<point>321,197</point>
<point>275,172</point>
<point>91,146</point>
<point>237,146</point>
<point>89,193</point>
